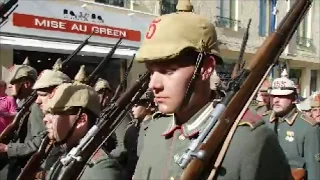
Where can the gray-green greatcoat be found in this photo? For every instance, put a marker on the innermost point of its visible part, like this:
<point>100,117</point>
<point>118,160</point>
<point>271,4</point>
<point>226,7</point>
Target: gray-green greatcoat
<point>299,138</point>
<point>101,166</point>
<point>254,152</point>
<point>19,152</point>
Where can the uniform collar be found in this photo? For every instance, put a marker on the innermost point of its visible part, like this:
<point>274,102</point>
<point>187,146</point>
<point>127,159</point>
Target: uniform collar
<point>289,118</point>
<point>193,125</point>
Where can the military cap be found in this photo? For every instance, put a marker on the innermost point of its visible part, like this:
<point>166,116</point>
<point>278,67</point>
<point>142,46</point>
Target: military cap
<point>169,35</point>
<point>102,84</point>
<point>315,101</point>
<point>76,94</point>
<point>265,86</point>
<point>214,80</point>
<point>20,71</point>
<point>184,5</point>
<point>283,85</point>
<point>48,78</point>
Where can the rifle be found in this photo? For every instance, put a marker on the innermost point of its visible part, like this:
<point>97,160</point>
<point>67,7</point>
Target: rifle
<point>36,160</point>
<point>7,8</point>
<point>121,85</point>
<point>12,131</point>
<point>75,161</point>
<point>93,76</point>
<point>202,153</point>
<point>240,64</point>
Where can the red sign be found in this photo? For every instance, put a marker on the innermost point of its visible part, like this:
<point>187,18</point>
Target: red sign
<point>37,22</point>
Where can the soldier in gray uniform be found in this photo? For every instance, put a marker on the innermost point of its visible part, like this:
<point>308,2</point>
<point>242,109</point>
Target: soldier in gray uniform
<point>315,108</point>
<point>71,111</point>
<point>170,51</point>
<point>104,90</point>
<point>21,79</point>
<point>298,134</point>
<point>134,137</point>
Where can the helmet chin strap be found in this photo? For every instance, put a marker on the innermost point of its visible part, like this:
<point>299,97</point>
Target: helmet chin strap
<point>67,137</point>
<point>191,86</point>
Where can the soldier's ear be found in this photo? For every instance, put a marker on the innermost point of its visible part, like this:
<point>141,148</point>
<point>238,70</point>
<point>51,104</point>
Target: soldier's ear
<point>83,118</point>
<point>208,67</point>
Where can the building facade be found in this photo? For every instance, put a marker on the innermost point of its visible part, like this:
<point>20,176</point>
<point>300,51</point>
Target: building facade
<point>301,57</point>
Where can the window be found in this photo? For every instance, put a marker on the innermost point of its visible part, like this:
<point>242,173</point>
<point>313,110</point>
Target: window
<point>168,6</point>
<point>267,17</point>
<point>119,3</point>
<point>304,32</point>
<point>295,76</point>
<point>227,15</point>
<point>313,81</point>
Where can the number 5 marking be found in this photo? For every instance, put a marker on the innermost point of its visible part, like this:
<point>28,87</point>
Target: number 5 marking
<point>152,28</point>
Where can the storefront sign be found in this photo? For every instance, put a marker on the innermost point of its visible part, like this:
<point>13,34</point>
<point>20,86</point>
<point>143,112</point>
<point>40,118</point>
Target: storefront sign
<point>52,24</point>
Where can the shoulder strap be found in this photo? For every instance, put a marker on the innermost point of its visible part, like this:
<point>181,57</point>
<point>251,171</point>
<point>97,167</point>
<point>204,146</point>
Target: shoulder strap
<point>308,119</point>
<point>251,119</point>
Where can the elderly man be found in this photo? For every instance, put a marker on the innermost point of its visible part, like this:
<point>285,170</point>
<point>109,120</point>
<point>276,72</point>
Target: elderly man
<point>298,134</point>
<point>172,47</point>
<point>315,108</point>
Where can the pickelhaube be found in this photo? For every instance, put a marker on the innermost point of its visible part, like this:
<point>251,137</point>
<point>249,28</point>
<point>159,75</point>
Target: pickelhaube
<point>76,94</point>
<point>49,78</point>
<point>184,6</point>
<point>20,71</point>
<point>283,85</point>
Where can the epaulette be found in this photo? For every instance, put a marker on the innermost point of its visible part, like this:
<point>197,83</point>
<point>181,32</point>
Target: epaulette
<point>251,119</point>
<point>158,114</point>
<point>308,119</point>
<point>98,156</point>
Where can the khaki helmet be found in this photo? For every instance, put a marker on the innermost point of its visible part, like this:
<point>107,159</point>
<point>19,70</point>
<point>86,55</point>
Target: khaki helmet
<point>184,6</point>
<point>48,78</point>
<point>169,35</point>
<point>315,101</point>
<point>283,85</point>
<point>102,84</point>
<point>76,94</point>
<point>20,71</point>
<point>214,81</point>
<point>265,86</point>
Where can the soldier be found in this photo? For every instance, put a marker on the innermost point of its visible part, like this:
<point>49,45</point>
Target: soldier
<point>71,111</point>
<point>263,99</point>
<point>48,80</point>
<point>133,139</point>
<point>184,6</point>
<point>170,51</point>
<point>298,134</point>
<point>104,90</point>
<point>21,79</point>
<point>315,108</point>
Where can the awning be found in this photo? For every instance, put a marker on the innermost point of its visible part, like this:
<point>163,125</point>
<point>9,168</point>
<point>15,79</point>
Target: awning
<point>61,47</point>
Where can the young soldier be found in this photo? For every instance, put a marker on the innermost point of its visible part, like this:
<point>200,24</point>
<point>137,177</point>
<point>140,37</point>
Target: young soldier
<point>104,90</point>
<point>263,99</point>
<point>170,51</point>
<point>315,108</point>
<point>134,136</point>
<point>21,79</point>
<point>48,80</point>
<point>298,134</point>
<point>71,111</point>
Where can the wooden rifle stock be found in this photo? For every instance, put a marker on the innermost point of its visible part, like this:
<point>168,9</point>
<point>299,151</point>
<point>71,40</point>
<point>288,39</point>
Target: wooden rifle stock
<point>251,75</point>
<point>32,167</point>
<point>298,173</point>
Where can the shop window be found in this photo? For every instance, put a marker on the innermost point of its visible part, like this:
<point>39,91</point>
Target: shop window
<point>42,60</point>
<point>119,3</point>
<point>168,6</point>
<point>304,31</point>
<point>313,81</point>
